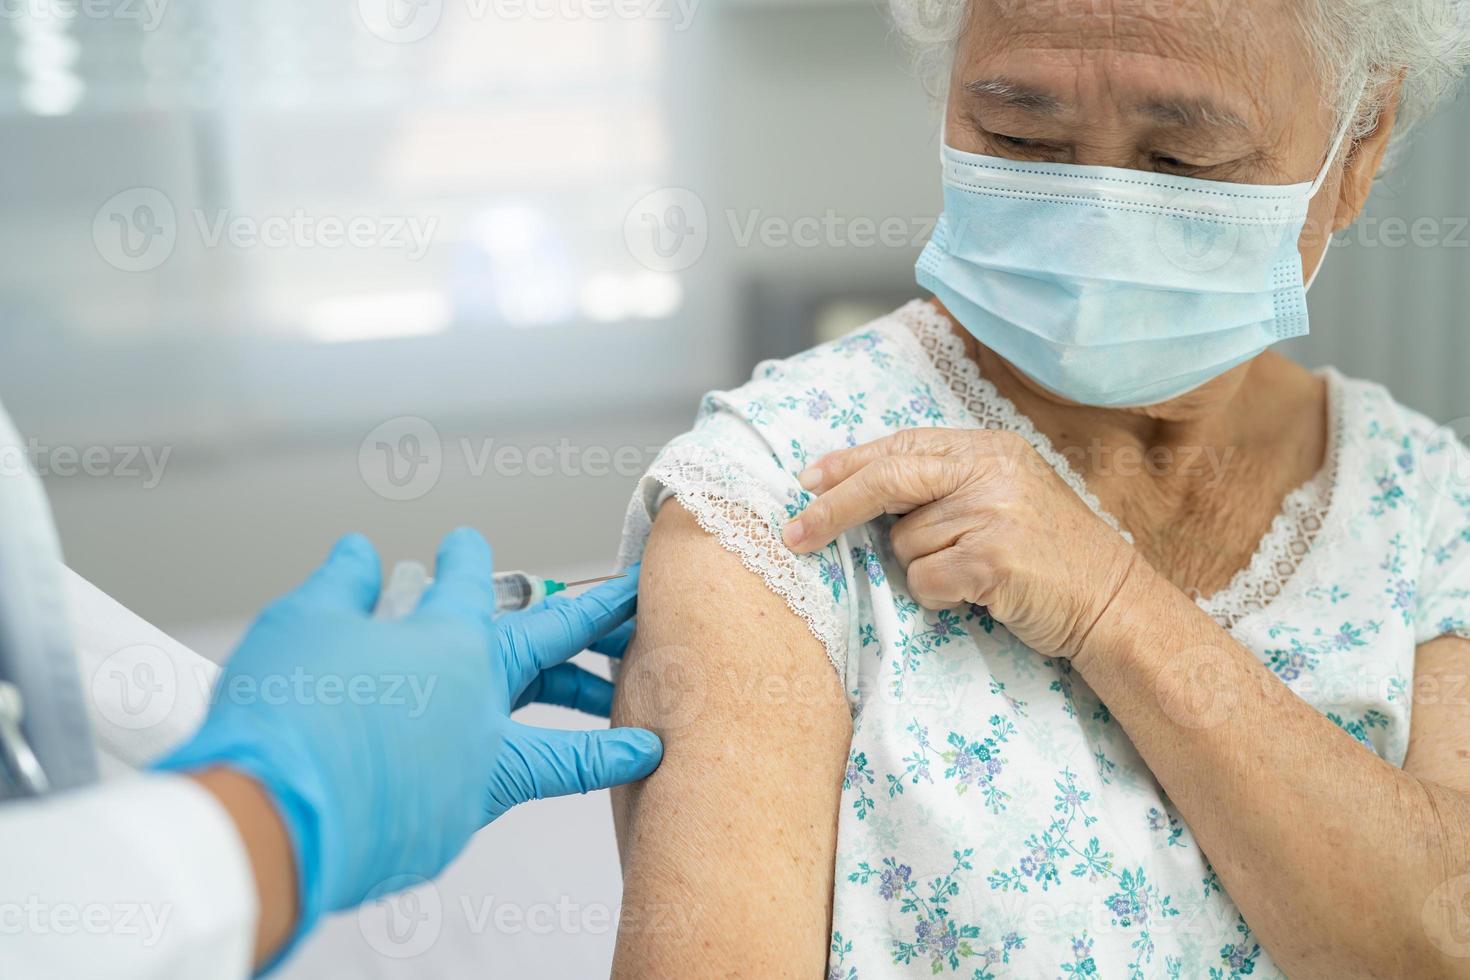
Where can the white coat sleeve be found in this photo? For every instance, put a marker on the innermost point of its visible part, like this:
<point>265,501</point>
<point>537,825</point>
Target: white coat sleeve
<point>142,878</point>
<point>146,691</point>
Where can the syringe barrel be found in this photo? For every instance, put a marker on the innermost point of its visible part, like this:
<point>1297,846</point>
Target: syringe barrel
<point>515,591</point>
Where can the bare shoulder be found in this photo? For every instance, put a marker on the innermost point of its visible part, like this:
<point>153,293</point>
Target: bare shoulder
<point>708,623</point>
<point>756,732</point>
<point>706,583</point>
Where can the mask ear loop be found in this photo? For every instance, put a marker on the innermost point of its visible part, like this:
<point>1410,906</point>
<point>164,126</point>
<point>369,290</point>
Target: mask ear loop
<point>1337,144</point>
<point>943,120</point>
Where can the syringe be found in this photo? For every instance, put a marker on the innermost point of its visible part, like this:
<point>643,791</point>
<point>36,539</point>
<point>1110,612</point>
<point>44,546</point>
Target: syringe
<point>514,591</point>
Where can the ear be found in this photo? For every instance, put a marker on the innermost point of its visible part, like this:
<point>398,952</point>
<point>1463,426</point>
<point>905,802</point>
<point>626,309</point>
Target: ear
<point>1366,159</point>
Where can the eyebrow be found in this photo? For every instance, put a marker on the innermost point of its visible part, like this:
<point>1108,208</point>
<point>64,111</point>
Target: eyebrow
<point>1190,113</point>
<point>1180,112</point>
<point>1014,94</point>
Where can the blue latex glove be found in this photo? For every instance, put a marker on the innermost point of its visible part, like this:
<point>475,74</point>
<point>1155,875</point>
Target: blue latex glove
<point>568,685</point>
<point>387,744</point>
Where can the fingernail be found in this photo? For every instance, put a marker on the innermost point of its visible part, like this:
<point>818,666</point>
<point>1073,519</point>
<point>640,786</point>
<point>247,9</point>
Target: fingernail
<point>810,478</point>
<point>794,533</point>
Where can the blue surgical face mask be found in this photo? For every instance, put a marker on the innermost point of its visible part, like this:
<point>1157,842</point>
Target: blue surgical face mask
<point>1118,287</point>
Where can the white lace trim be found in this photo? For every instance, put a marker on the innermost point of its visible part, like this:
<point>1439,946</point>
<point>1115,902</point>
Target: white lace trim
<point>1281,550</point>
<point>1291,536</point>
<point>980,399</point>
<point>745,519</point>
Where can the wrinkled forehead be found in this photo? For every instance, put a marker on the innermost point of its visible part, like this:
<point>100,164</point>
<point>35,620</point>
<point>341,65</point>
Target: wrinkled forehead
<point>1250,52</point>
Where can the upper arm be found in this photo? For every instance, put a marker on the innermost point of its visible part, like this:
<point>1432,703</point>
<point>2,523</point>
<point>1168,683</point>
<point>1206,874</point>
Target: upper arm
<point>1439,734</point>
<point>728,847</point>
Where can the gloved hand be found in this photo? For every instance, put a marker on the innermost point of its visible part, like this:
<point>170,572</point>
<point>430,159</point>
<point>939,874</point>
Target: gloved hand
<point>568,685</point>
<point>387,744</point>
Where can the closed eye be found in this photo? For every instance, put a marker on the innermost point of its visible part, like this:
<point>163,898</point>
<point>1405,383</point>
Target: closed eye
<point>1026,147</point>
<point>1015,141</point>
<point>1176,165</point>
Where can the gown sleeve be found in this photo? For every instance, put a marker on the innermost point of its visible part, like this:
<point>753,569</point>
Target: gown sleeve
<point>735,472</point>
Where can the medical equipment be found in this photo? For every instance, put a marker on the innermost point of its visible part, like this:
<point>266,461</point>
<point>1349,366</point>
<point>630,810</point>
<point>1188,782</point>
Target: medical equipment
<point>397,744</point>
<point>45,732</point>
<point>20,771</point>
<point>514,591</point>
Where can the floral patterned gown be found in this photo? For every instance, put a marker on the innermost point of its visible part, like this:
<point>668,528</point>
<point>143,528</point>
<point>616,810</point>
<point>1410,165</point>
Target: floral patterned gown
<point>996,820</point>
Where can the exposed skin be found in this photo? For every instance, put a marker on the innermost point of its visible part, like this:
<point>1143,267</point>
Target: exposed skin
<point>268,849</point>
<point>733,836</point>
<point>1355,896</point>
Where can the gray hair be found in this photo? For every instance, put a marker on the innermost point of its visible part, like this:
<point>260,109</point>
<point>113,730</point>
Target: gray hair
<point>1356,43</point>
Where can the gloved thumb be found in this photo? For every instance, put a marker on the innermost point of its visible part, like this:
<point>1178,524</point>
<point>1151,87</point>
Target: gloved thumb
<point>563,762</point>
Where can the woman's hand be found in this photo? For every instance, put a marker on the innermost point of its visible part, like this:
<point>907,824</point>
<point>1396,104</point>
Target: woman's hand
<point>987,522</point>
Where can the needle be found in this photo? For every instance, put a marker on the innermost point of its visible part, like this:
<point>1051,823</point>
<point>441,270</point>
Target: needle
<point>594,581</point>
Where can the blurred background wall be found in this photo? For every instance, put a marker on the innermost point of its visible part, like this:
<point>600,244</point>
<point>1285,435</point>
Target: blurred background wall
<point>287,269</point>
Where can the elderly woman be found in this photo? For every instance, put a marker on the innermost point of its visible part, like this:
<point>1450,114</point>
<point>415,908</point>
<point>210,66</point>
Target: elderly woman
<point>1056,626</point>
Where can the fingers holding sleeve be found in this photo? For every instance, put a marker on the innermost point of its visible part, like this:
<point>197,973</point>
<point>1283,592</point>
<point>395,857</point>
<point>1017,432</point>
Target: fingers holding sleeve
<point>829,470</point>
<point>891,485</point>
<point>944,581</point>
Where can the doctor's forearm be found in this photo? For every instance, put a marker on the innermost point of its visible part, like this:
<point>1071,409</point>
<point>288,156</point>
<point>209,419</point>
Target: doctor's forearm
<point>269,848</point>
<point>1330,852</point>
